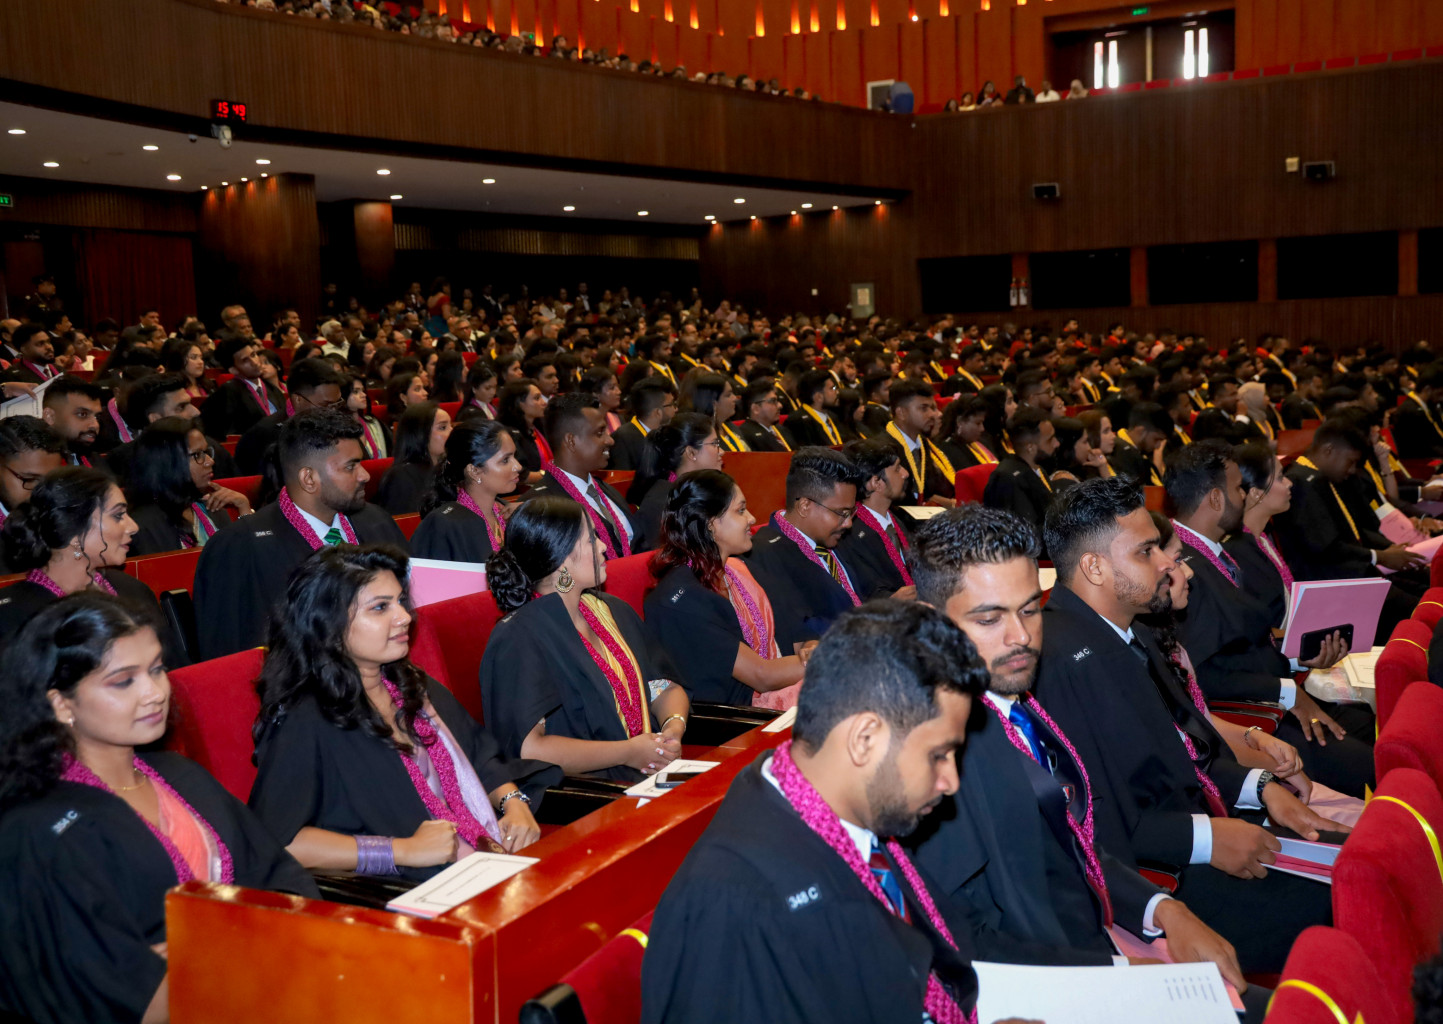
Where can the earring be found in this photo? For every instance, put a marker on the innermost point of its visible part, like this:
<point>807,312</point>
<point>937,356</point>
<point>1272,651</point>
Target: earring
<point>564,581</point>
<point>77,551</point>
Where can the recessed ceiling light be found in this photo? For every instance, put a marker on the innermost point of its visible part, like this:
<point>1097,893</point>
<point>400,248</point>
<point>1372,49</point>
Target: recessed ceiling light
<point>382,171</point>
<point>150,149</point>
<point>51,163</point>
<point>806,206</point>
<point>568,209</point>
<point>265,175</point>
<point>17,131</point>
<point>877,203</point>
<point>488,181</point>
<point>836,207</point>
<point>914,17</point>
<point>397,195</point>
<point>172,177</point>
<point>245,179</point>
<point>205,188</point>
<point>262,161</point>
<point>225,184</point>
<point>754,216</point>
<point>643,213</point>
<point>739,200</point>
<point>710,216</point>
<point>794,213</point>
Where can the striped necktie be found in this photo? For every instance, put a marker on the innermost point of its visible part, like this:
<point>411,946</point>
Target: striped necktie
<point>887,879</point>
<point>829,559</point>
<point>332,537</point>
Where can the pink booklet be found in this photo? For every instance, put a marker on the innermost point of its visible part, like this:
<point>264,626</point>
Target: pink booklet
<point>1328,604</point>
<point>435,580</point>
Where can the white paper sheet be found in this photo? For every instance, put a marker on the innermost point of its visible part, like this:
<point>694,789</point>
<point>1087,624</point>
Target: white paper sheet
<point>782,721</point>
<point>648,787</point>
<point>468,877</point>
<point>1153,994</point>
<point>922,513</point>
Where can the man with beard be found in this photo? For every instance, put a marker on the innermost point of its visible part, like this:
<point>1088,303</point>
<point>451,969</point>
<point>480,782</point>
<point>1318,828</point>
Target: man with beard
<point>1227,628</point>
<point>876,545</point>
<point>1168,790</point>
<point>71,407</point>
<point>243,571</point>
<point>797,904</point>
<point>1038,877</point>
<point>34,362</point>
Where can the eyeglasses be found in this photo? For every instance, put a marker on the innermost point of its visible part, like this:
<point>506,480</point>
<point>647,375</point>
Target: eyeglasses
<point>27,482</point>
<point>842,514</point>
<point>203,455</point>
<point>713,443</point>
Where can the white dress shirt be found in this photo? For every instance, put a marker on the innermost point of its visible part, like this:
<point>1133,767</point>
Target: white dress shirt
<point>618,514</point>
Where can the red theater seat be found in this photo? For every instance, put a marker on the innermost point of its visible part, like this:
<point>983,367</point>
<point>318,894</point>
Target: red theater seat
<point>1414,53</point>
<point>1158,83</point>
<point>1411,738</point>
<point>620,479</point>
<point>1430,608</point>
<point>377,469</point>
<point>170,570</point>
<point>1304,66</point>
<point>449,639</point>
<point>972,481</point>
<point>630,579</point>
<point>1327,968</point>
<point>213,706</point>
<point>453,409</point>
<point>762,476</point>
<point>1238,76</point>
<point>1334,63</point>
<point>250,486</point>
<point>605,988</point>
<point>1276,69</point>
<point>1373,58</point>
<point>1404,660</point>
<point>1387,889</point>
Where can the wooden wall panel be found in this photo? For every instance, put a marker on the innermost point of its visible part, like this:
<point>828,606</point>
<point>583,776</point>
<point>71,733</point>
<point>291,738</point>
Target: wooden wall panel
<point>73,204</point>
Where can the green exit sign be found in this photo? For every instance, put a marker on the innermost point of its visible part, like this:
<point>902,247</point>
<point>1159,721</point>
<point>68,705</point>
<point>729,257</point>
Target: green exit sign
<point>6,201</point>
<point>1138,12</point>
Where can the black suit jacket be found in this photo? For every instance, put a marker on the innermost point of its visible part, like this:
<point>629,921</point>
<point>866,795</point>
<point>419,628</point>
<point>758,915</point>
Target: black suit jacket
<point>1123,721</point>
<point>864,553</point>
<point>1227,631</point>
<point>1014,486</point>
<point>626,452</point>
<point>760,439</point>
<point>808,431</point>
<point>232,408</point>
<point>1415,434</point>
<point>1314,537</point>
<point>549,487</point>
<point>805,599</point>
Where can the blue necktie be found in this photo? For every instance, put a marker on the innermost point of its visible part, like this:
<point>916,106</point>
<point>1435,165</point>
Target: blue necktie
<point>882,872</point>
<point>1025,726</point>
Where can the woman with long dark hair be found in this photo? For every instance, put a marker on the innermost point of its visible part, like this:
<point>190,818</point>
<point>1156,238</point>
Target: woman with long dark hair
<point>419,444</point>
<point>364,762</point>
<point>711,394</point>
<point>378,372</point>
<point>1001,404</point>
<point>462,518</point>
<point>449,379</point>
<point>707,610</point>
<point>689,442</point>
<point>170,488</point>
<point>375,441</point>
<point>567,675</point>
<point>1076,458</point>
<point>601,382</point>
<point>481,384</point>
<point>404,390</point>
<point>964,424</point>
<point>187,358</point>
<point>520,409</point>
<point>1268,493</point>
<point>93,833</point>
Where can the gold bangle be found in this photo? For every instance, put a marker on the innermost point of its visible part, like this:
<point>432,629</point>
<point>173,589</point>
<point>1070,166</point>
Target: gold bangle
<point>672,718</point>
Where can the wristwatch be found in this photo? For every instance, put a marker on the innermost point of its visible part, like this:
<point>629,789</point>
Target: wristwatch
<point>1264,780</point>
<point>501,807</point>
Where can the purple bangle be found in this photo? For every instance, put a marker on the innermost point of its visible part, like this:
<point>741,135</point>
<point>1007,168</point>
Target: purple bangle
<point>375,856</point>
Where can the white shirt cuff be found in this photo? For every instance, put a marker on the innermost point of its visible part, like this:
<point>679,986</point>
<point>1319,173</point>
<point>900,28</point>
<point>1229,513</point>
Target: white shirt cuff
<point>1149,929</point>
<point>1248,795</point>
<point>1373,557</point>
<point>1287,693</point>
<point>1120,961</point>
<point>1202,840</point>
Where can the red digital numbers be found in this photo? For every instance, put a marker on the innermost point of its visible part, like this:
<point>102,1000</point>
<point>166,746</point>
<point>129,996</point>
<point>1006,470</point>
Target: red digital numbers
<point>227,110</point>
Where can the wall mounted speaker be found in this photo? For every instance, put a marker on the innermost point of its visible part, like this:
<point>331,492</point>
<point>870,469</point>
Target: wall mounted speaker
<point>1046,190</point>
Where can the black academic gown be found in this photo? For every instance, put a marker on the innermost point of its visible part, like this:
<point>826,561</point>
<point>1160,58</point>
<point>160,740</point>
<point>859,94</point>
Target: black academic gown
<point>536,667</point>
<point>1314,537</point>
<point>312,773</point>
<point>809,431</point>
<point>20,601</point>
<point>805,598</point>
<point>404,486</point>
<point>648,515</point>
<point>251,449</point>
<point>232,408</point>
<point>1416,435</point>
<point>82,893</point>
<point>864,553</point>
<point>1259,575</point>
<point>698,629</point>
<point>1135,464</point>
<point>1123,717</point>
<point>451,532</point>
<point>549,487</point>
<point>1227,631</point>
<point>528,453</point>
<point>936,482</point>
<point>763,921</point>
<point>629,442</point>
<point>760,439</point>
<point>243,572</point>
<point>1016,487</point>
<point>1022,873</point>
<point>1295,408</point>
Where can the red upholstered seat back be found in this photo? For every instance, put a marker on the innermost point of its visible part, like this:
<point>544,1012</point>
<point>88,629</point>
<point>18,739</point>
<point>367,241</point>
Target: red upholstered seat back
<point>171,570</point>
<point>377,469</point>
<point>972,481</point>
<point>449,638</point>
<point>250,486</point>
<point>1430,608</point>
<point>453,409</point>
<point>762,476</point>
<point>213,707</point>
<point>1404,660</point>
<point>1435,567</point>
<point>1411,738</point>
<point>1387,889</point>
<point>1333,963</point>
<point>608,982</point>
<point>630,578</point>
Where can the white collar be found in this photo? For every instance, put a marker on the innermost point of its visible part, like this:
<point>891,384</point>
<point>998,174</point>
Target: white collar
<point>1124,635</point>
<point>580,483</point>
<point>913,443</point>
<point>864,838</point>
<point>320,528</point>
<point>885,518</point>
<point>1000,701</point>
<point>1215,547</point>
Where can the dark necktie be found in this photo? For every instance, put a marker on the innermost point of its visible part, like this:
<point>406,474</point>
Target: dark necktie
<point>896,537</point>
<point>333,537</point>
<point>1211,796</point>
<point>594,493</point>
<point>887,879</point>
<point>1024,724</point>
<point>1230,564</point>
<point>829,559</point>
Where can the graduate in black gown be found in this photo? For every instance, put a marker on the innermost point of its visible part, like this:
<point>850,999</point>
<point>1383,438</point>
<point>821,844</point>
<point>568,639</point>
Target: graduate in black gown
<point>28,450</point>
<point>797,904</point>
<point>652,401</point>
<point>171,489</point>
<point>244,400</point>
<point>569,675</point>
<point>520,409</point>
<point>1036,877</point>
<point>1020,484</point>
<point>74,534</point>
<point>462,519</point>
<point>418,445</point>
<point>1255,548</point>
<point>1168,788</point>
<point>915,418</point>
<point>92,834</point>
<point>310,384</point>
<point>707,610</point>
<point>875,548</point>
<point>794,557</point>
<point>686,444</point>
<point>364,763</point>
<point>242,572</point>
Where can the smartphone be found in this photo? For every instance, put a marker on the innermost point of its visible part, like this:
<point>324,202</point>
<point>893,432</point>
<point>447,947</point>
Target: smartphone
<point>1312,642</point>
<point>670,780</point>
